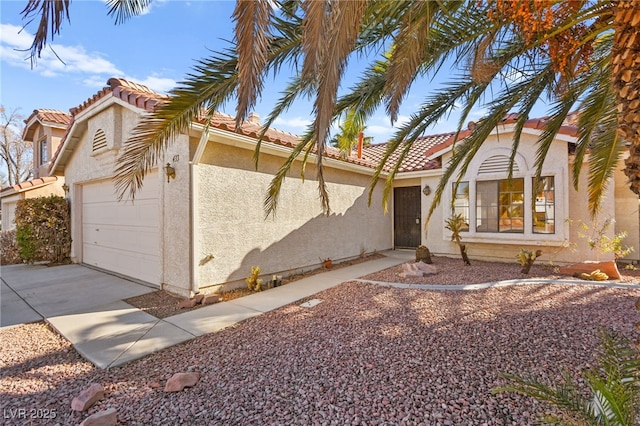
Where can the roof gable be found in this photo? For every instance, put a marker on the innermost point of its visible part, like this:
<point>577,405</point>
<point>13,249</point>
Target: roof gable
<point>45,117</point>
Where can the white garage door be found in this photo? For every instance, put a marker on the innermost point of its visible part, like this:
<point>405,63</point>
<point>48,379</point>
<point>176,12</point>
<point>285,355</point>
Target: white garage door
<point>122,237</point>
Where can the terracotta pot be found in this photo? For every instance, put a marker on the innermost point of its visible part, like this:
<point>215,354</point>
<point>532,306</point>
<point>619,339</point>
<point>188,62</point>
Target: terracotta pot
<point>608,267</point>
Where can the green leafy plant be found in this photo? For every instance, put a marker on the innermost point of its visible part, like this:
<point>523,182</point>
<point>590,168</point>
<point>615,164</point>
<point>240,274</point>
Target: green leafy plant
<point>614,389</point>
<point>27,244</point>
<point>596,236</point>
<point>456,225</point>
<point>526,258</point>
<point>253,282</point>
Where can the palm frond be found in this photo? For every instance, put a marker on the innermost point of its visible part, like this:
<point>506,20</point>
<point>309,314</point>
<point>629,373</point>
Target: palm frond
<point>124,10</point>
<point>51,14</point>
<point>614,386</point>
<point>607,149</point>
<point>406,57</point>
<point>213,82</point>
<point>275,187</point>
<point>252,20</point>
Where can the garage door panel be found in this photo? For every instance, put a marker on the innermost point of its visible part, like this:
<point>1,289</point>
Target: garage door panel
<point>140,267</point>
<point>123,237</point>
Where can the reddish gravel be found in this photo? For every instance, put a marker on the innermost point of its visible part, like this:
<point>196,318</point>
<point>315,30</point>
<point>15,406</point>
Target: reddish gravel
<point>452,271</point>
<point>366,355</point>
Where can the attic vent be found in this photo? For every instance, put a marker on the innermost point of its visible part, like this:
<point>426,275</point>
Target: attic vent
<point>99,140</point>
<point>496,164</point>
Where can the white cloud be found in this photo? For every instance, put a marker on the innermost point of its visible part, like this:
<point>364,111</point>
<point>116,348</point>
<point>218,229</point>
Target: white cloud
<point>154,82</point>
<point>298,123</point>
<point>92,67</point>
<point>69,59</point>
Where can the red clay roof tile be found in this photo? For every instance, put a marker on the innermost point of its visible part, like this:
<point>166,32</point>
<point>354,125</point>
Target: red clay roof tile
<point>50,116</point>
<point>420,156</point>
<point>23,186</point>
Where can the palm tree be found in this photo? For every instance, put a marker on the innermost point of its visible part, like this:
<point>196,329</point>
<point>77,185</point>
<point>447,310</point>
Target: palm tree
<point>613,386</point>
<point>579,55</point>
<point>349,133</point>
<point>456,224</point>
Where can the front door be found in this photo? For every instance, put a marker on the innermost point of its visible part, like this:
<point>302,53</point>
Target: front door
<point>407,228</point>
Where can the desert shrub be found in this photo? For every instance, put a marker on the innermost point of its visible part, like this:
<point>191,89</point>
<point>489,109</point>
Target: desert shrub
<point>43,229</point>
<point>9,251</point>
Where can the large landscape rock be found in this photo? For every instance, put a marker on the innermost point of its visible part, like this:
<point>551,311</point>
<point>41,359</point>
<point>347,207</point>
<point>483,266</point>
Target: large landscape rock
<point>107,417</point>
<point>417,269</point>
<point>88,397</point>
<point>179,381</point>
<point>608,267</point>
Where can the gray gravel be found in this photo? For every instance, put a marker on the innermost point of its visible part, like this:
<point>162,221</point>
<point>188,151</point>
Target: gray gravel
<point>367,355</point>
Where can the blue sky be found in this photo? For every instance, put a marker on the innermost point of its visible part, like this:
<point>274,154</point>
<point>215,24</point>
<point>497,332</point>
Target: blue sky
<point>156,49</point>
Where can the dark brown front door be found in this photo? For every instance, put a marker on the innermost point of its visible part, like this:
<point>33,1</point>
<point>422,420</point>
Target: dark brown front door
<point>407,217</point>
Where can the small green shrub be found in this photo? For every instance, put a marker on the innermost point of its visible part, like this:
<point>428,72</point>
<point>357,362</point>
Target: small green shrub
<point>26,243</point>
<point>595,235</point>
<point>526,258</point>
<point>253,282</point>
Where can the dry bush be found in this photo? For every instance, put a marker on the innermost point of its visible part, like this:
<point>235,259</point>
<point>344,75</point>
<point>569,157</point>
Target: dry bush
<point>9,252</point>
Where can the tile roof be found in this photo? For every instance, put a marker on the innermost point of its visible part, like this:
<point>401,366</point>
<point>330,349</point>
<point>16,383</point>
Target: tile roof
<point>51,116</point>
<point>420,157</point>
<point>145,98</point>
<point>25,186</point>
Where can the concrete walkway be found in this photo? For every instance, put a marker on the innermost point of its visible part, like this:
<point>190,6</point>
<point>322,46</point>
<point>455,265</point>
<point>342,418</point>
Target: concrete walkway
<point>86,307</point>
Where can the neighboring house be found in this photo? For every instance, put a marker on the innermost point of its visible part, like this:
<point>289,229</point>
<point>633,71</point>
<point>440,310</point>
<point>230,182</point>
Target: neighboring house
<point>44,129</point>
<point>206,226</point>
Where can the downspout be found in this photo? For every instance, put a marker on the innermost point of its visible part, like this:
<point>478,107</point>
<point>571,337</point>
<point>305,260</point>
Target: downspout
<point>194,219</point>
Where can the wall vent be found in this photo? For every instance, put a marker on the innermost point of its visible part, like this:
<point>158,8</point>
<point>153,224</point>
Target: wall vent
<point>497,164</point>
<point>99,140</point>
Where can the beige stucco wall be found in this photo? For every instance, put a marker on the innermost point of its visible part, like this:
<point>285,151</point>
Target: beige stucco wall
<point>53,137</point>
<point>231,224</point>
<point>627,214</point>
<point>86,166</point>
<point>9,203</point>
<point>564,246</point>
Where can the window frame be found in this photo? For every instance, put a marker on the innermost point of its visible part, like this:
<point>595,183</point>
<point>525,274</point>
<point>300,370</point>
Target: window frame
<point>43,151</point>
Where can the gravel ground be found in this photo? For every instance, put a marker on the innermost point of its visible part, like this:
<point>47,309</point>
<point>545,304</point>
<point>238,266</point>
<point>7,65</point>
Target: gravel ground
<point>453,271</point>
<point>367,355</point>
<point>162,304</point>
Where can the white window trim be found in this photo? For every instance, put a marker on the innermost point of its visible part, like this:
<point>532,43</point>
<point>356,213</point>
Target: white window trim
<point>528,237</point>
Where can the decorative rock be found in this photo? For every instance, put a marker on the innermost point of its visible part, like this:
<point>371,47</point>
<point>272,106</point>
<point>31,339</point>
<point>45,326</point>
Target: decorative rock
<point>189,303</point>
<point>88,397</point>
<point>179,381</point>
<point>423,255</point>
<point>210,299</point>
<point>417,269</point>
<point>609,267</point>
<point>198,297</point>
<point>107,417</point>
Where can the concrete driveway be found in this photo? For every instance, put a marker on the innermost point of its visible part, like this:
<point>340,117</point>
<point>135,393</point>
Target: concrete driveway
<point>86,307</point>
<point>33,292</point>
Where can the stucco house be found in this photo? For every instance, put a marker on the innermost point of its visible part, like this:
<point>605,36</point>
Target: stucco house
<point>44,128</point>
<point>205,225</point>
